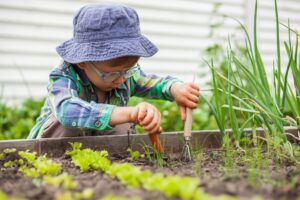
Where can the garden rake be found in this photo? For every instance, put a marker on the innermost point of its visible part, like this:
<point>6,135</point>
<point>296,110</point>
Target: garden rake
<point>187,133</point>
<point>186,152</point>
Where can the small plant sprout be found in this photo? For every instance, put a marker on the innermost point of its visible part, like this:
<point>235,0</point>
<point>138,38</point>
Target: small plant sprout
<point>117,197</point>
<point>40,165</point>
<point>28,156</point>
<point>153,155</point>
<point>9,164</point>
<point>10,150</point>
<point>86,194</point>
<point>63,179</point>
<point>87,159</point>
<point>134,155</point>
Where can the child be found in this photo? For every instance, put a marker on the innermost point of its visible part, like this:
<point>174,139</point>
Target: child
<point>88,93</point>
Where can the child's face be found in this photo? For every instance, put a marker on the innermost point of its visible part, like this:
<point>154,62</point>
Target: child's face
<point>122,64</point>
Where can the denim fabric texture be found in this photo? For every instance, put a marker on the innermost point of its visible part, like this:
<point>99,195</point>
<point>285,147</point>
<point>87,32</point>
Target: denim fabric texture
<point>104,32</point>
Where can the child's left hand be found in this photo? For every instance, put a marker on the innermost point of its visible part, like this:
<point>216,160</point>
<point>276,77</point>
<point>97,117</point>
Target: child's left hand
<point>185,95</point>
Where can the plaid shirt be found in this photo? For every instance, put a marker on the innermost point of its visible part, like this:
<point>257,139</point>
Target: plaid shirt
<point>72,100</point>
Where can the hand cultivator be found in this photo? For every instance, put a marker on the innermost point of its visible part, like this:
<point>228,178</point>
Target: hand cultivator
<point>186,152</point>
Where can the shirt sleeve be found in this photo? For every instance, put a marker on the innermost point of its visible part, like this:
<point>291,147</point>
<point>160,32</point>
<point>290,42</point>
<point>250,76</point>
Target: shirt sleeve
<point>71,111</point>
<point>153,86</point>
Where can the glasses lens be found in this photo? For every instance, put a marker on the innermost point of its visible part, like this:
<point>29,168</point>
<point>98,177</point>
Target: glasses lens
<point>109,77</point>
<point>131,71</point>
<point>112,76</point>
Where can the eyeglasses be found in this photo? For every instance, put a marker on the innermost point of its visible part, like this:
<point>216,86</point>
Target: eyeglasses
<point>112,76</point>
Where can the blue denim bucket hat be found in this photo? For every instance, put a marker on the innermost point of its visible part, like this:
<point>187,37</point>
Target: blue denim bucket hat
<point>104,32</point>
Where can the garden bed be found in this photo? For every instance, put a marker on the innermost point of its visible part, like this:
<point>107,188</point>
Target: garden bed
<point>240,173</point>
<point>276,182</point>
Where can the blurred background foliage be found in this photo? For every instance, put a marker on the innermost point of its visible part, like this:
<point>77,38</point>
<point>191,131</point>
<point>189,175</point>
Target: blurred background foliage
<point>16,121</point>
<point>171,120</point>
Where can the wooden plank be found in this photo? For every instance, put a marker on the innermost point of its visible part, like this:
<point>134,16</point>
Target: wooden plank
<point>20,145</point>
<point>118,144</point>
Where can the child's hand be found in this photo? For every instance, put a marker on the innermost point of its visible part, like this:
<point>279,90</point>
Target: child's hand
<point>147,116</point>
<point>185,95</point>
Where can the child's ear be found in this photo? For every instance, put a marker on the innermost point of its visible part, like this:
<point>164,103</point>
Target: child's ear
<point>82,65</point>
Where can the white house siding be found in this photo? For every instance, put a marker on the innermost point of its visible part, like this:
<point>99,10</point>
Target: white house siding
<point>31,29</point>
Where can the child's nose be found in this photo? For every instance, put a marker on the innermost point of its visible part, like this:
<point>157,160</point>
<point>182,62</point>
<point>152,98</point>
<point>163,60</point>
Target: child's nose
<point>119,80</point>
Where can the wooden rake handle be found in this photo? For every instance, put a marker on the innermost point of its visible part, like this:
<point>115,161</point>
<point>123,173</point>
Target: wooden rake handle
<point>156,142</point>
<point>189,120</point>
<point>188,123</point>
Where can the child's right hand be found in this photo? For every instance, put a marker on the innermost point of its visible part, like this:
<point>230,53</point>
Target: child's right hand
<point>147,116</point>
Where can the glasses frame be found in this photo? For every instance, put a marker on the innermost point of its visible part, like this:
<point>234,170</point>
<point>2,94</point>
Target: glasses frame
<point>112,76</point>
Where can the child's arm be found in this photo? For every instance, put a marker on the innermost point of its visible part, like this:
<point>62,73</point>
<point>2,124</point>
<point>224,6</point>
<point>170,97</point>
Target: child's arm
<point>143,114</point>
<point>167,88</point>
<point>152,86</point>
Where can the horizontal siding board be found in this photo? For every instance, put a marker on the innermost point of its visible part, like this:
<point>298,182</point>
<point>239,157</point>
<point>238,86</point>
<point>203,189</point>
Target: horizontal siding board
<point>292,6</point>
<point>31,32</point>
<point>23,75</point>
<point>10,61</point>
<point>41,19</point>
<point>68,7</point>
<point>33,90</point>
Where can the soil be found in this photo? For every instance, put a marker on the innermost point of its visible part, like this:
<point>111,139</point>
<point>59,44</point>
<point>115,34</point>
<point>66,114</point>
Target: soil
<point>277,181</point>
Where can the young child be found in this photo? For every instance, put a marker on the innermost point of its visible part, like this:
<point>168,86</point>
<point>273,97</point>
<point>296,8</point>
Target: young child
<point>88,93</point>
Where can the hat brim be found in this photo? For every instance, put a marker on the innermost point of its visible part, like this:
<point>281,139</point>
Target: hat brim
<point>74,52</point>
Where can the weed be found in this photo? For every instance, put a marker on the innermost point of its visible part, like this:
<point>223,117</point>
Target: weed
<point>199,158</point>
<point>153,155</point>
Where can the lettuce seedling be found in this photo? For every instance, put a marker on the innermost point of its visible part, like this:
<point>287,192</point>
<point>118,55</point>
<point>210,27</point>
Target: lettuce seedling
<point>46,167</point>
<point>9,163</point>
<point>116,197</point>
<point>172,186</point>
<point>41,165</point>
<point>9,150</point>
<point>4,196</point>
<point>63,179</point>
<point>183,187</point>
<point>13,163</point>
<point>134,155</point>
<point>30,157</point>
<point>76,146</point>
<point>29,172</point>
<point>86,194</point>
<point>126,173</point>
<point>87,159</point>
<point>153,182</point>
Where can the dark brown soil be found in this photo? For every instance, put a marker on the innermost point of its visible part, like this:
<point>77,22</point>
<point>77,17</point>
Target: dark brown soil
<point>276,181</point>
